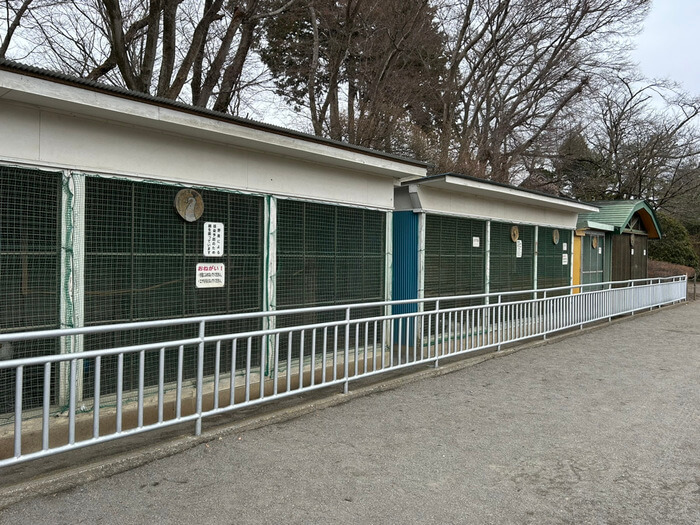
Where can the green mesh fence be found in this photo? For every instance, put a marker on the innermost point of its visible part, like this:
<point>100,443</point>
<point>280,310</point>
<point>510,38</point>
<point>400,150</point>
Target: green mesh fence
<point>592,259</point>
<point>328,255</point>
<point>553,258</point>
<point>29,272</point>
<point>140,260</point>
<point>117,252</point>
<point>455,257</point>
<point>511,268</point>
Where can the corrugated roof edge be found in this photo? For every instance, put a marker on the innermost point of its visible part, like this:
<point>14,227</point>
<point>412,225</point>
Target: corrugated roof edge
<point>52,76</point>
<point>635,205</point>
<point>501,185</point>
<point>617,202</point>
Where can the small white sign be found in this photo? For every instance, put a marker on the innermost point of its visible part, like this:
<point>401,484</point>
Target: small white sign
<point>210,275</point>
<point>645,253</point>
<point>632,251</point>
<point>213,239</point>
<point>476,242</point>
<point>600,250</point>
<point>519,248</point>
<point>564,259</point>
<point>564,246</point>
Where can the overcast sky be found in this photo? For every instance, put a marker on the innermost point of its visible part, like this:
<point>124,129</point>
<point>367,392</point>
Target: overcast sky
<point>669,45</point>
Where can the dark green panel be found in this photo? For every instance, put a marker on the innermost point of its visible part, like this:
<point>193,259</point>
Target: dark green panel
<point>140,265</point>
<point>509,272</point>
<point>321,233</point>
<point>29,273</point>
<point>290,238</point>
<point>157,228</point>
<point>551,272</point>
<point>328,255</point>
<point>29,249</point>
<point>592,259</point>
<point>453,265</point>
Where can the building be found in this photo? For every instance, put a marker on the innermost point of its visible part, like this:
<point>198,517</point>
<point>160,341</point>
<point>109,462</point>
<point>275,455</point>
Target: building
<point>457,235</point>
<point>612,245</point>
<point>120,207</point>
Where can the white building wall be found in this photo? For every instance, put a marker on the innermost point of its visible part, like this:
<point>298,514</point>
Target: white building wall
<point>477,206</point>
<point>41,137</point>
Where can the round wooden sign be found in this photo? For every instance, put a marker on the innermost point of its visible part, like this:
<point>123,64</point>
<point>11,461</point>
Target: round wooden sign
<point>555,236</point>
<point>189,204</point>
<point>594,242</point>
<point>514,233</point>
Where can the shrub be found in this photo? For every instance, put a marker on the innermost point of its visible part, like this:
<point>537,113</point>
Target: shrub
<point>675,245</point>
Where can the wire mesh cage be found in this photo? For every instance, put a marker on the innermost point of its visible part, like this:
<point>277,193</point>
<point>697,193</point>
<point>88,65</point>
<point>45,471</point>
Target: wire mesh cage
<point>30,267</point>
<point>329,255</point>
<point>455,256</point>
<point>511,260</point>
<point>81,249</point>
<point>140,260</point>
<point>553,258</point>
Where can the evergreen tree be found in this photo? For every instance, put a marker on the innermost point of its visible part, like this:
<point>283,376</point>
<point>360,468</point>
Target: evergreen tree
<point>675,246</point>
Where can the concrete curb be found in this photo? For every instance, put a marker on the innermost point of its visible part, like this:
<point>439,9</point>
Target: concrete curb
<point>74,477</point>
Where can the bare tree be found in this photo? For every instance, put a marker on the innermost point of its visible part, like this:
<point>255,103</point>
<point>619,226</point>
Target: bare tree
<point>647,142</point>
<point>13,13</point>
<point>478,86</point>
<point>514,66</point>
<point>177,49</point>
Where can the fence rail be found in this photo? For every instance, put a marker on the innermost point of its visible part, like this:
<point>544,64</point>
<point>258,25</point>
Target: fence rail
<point>293,351</point>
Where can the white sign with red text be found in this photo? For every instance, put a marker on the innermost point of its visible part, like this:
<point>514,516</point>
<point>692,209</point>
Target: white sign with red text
<point>210,275</point>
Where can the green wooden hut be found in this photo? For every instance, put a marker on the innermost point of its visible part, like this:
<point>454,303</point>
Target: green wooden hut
<point>613,243</point>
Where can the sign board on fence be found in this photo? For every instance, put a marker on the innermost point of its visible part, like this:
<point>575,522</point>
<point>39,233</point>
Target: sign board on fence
<point>213,239</point>
<point>210,275</point>
<point>564,259</point>
<point>519,248</point>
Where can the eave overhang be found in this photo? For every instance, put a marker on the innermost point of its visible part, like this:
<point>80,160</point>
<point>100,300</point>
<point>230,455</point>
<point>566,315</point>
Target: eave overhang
<point>58,93</point>
<point>486,189</point>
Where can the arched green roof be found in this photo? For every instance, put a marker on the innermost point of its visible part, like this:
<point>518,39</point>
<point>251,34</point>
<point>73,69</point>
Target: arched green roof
<point>618,215</point>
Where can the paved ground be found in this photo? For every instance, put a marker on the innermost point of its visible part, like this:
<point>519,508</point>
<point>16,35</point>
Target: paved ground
<point>603,427</point>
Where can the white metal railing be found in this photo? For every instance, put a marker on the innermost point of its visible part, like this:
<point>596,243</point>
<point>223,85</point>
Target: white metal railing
<point>282,358</point>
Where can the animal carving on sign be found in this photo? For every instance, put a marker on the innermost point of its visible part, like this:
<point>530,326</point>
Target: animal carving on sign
<point>189,205</point>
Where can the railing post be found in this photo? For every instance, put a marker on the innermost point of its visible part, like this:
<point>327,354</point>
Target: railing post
<point>346,385</point>
<point>545,312</point>
<point>200,378</point>
<point>72,400</point>
<point>695,282</point>
<point>499,328</point>
<point>437,322</point>
<point>632,295</point>
<point>19,377</point>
